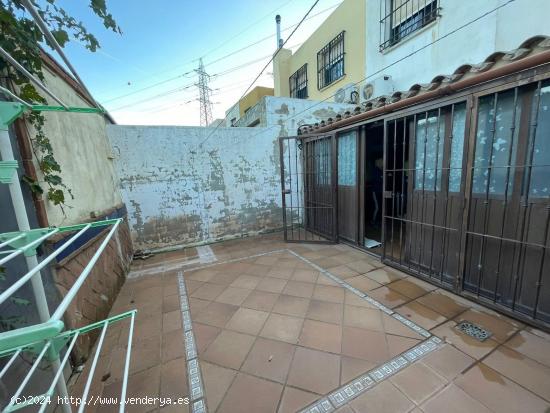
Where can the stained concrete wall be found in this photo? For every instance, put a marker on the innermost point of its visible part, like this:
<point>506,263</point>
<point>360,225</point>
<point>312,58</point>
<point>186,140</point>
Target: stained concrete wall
<point>179,192</point>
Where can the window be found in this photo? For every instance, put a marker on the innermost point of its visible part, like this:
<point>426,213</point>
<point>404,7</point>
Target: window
<point>430,138</point>
<point>347,158</point>
<point>330,62</point>
<point>496,143</point>
<point>400,18</point>
<point>298,83</point>
<point>539,145</point>
<point>457,146</point>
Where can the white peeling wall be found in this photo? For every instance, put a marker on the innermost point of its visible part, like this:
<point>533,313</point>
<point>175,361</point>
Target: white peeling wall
<point>179,193</point>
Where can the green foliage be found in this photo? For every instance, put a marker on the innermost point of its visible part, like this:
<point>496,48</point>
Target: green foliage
<point>20,37</point>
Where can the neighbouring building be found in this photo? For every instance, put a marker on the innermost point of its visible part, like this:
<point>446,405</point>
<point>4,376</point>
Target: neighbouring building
<point>329,62</point>
<point>239,109</point>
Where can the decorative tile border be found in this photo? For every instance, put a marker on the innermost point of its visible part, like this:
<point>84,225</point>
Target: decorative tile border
<point>196,387</point>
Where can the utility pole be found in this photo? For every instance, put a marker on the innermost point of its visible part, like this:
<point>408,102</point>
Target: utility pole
<point>204,95</point>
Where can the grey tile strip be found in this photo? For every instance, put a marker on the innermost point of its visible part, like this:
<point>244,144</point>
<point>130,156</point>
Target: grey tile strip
<point>196,387</point>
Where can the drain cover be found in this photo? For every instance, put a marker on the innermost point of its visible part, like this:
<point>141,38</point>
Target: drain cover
<point>473,330</point>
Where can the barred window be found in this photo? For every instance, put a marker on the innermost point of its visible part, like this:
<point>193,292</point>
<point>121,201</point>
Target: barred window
<point>298,83</point>
<point>400,18</point>
<point>330,62</point>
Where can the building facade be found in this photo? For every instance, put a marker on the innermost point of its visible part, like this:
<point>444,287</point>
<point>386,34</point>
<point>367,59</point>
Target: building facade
<point>332,58</point>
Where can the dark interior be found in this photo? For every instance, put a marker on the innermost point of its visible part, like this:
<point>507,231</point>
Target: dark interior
<point>374,153</point>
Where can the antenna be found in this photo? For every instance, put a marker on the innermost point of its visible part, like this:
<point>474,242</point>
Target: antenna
<point>204,95</point>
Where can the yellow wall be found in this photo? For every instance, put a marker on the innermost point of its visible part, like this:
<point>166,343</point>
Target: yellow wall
<point>349,16</point>
<point>253,97</point>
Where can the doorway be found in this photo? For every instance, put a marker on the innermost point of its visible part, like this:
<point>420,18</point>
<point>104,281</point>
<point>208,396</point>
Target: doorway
<point>373,152</point>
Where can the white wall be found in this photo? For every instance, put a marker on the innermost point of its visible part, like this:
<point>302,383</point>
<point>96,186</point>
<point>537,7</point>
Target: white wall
<point>82,149</point>
<point>179,193</point>
<point>500,31</point>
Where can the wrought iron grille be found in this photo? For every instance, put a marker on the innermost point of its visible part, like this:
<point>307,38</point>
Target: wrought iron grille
<point>400,18</point>
<point>298,83</point>
<point>330,62</point>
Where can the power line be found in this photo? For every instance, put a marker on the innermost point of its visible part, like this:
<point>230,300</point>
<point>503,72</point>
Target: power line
<point>395,62</point>
<point>265,67</point>
<point>204,95</point>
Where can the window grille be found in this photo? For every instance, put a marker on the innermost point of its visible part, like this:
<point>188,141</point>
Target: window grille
<point>330,62</point>
<point>400,18</point>
<point>298,83</point>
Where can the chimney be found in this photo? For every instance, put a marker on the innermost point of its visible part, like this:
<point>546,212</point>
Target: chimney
<point>279,40</point>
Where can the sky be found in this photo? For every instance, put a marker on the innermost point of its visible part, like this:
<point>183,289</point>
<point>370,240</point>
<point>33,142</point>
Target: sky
<point>145,76</point>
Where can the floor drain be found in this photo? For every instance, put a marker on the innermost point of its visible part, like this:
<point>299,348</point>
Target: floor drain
<point>473,330</point>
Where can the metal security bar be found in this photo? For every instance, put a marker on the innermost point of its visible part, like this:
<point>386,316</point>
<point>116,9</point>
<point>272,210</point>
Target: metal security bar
<point>400,18</point>
<point>298,83</point>
<point>423,183</point>
<point>308,188</point>
<point>330,62</point>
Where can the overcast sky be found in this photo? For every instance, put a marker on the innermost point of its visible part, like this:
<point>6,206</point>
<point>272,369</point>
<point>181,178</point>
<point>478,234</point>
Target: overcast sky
<point>160,46</point>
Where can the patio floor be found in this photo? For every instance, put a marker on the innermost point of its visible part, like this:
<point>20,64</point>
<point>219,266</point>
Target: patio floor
<point>257,325</point>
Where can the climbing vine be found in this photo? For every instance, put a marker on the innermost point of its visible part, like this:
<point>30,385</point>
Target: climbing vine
<point>21,38</point>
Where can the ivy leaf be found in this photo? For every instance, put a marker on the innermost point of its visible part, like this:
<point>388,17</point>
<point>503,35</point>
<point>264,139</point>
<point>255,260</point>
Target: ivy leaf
<point>61,36</point>
<point>33,185</point>
<point>56,196</point>
<point>53,179</point>
<point>19,301</point>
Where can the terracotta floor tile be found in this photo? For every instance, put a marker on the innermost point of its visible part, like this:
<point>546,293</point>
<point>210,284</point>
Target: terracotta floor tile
<point>271,285</point>
<point>448,361</point>
<point>269,359</point>
<point>321,336</point>
<point>216,382</point>
<point>383,398</point>
<point>299,289</point>
<point>171,303</point>
<point>344,409</point>
<point>407,288</point>
<point>325,311</point>
<point>173,379</point>
<point>246,320</point>
<point>171,321</point>
<point>196,305</point>
<point>351,368</point>
<point>223,278</point>
<point>443,303</point>
<point>208,291</point>
<point>326,262</point>
<point>385,275</point>
<point>361,266</point>
<point>282,327</point>
<point>282,273</point>
<point>229,349</point>
<point>329,293</point>
<point>354,344</point>
<point>315,371</point>
<point>260,300</point>
<point>145,328</point>
<point>362,317</point>
<point>251,394</point>
<point>502,327</point>
<point>399,344</point>
<point>233,295</point>
<point>463,342</point>
<point>353,299</point>
<point>418,382</point>
<point>172,345</point>
<point>421,315</point>
<point>362,283</point>
<point>204,335</point>
<point>145,354</point>
<point>532,346</point>
<point>453,399</point>
<point>342,271</point>
<point>388,297</point>
<point>246,281</point>
<point>393,326</point>
<point>305,275</point>
<point>524,371</point>
<point>294,400</point>
<point>216,314</point>
<point>203,275</point>
<point>499,393</point>
<point>324,280</point>
<point>289,305</point>
<point>143,384</point>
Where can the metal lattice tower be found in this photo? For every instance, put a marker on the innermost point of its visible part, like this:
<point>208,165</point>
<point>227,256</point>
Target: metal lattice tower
<point>204,95</point>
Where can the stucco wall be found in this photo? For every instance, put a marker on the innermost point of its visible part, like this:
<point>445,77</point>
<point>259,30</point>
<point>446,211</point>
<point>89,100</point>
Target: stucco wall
<point>500,31</point>
<point>348,16</point>
<point>81,147</point>
<point>179,193</point>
